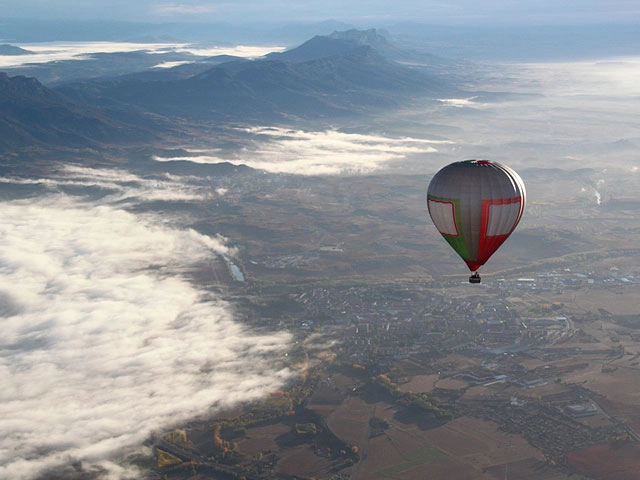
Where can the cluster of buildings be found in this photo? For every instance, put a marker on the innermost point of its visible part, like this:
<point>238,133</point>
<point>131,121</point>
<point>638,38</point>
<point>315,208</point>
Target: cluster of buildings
<point>378,327</point>
<point>563,279</point>
<point>382,323</point>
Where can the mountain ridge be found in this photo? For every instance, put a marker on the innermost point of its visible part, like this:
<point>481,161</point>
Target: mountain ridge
<point>32,115</point>
<point>330,77</point>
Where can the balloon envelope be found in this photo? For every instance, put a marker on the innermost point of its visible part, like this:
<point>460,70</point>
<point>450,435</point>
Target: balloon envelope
<point>475,205</point>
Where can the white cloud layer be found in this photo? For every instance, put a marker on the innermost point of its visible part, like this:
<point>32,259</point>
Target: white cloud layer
<point>61,51</point>
<point>604,78</point>
<point>330,152</point>
<point>105,340</point>
<point>579,113</point>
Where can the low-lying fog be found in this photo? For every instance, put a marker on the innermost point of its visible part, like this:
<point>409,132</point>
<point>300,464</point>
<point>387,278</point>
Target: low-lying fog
<point>41,53</point>
<point>105,339</point>
<point>565,115</point>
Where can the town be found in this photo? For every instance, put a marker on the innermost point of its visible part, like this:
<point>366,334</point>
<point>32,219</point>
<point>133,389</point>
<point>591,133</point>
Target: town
<point>520,353</point>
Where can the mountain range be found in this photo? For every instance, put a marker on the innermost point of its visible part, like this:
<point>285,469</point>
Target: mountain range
<point>36,119</point>
<point>33,114</point>
<point>336,76</point>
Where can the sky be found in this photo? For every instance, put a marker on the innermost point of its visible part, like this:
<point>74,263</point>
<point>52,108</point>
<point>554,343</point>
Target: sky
<point>359,11</point>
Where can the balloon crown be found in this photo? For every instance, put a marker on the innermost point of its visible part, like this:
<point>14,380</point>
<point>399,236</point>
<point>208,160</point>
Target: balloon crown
<point>479,162</point>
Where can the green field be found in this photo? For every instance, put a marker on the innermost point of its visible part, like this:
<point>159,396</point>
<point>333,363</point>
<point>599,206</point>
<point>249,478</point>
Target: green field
<point>629,321</point>
<point>426,455</point>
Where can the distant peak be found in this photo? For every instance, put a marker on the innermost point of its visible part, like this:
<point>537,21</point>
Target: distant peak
<point>335,44</point>
<point>7,49</point>
<point>371,37</point>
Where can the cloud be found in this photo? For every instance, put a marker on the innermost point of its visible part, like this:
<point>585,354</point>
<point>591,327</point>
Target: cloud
<point>556,114</point>
<point>603,78</point>
<point>123,188</point>
<point>105,337</point>
<point>246,51</point>
<point>279,150</point>
<point>458,102</point>
<point>56,52</point>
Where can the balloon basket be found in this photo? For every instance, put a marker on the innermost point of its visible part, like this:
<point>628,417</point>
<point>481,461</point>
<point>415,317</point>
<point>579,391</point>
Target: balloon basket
<point>475,278</point>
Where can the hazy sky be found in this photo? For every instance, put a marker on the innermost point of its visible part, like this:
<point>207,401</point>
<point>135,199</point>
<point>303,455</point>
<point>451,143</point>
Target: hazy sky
<point>357,11</point>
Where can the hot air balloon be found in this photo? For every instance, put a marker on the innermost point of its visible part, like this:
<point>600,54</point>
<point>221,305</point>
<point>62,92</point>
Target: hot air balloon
<point>475,205</point>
